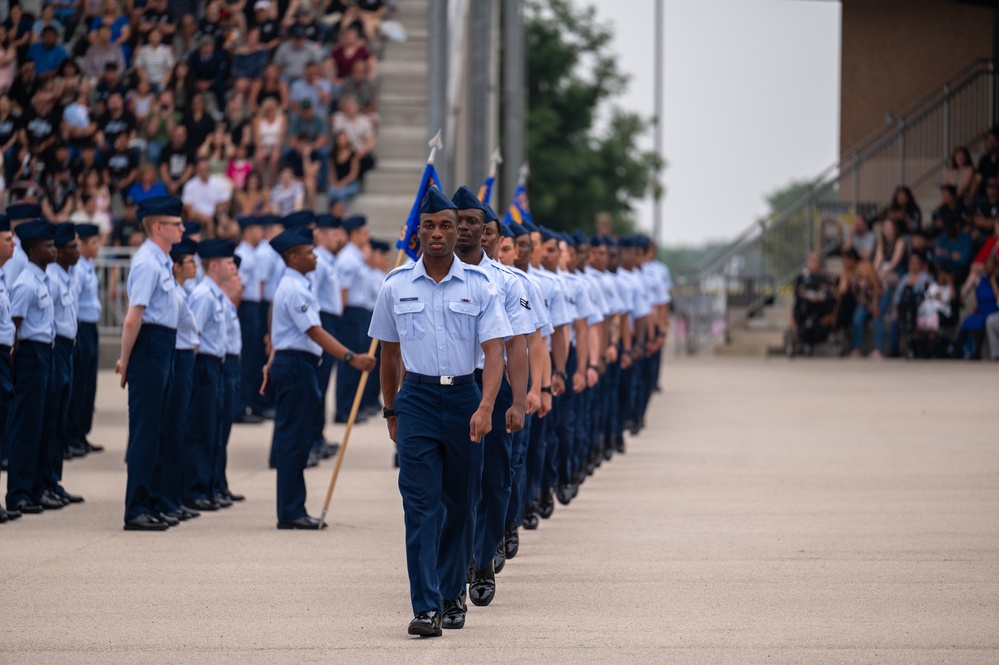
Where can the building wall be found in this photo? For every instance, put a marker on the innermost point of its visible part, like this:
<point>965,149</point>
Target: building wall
<point>895,51</point>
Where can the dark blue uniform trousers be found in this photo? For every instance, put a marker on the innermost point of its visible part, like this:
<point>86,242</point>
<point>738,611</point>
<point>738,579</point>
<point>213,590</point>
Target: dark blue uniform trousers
<point>230,393</point>
<point>60,388</point>
<point>85,360</point>
<point>331,324</point>
<point>560,454</point>
<point>295,375</point>
<point>491,489</point>
<point>150,373</point>
<point>437,466</point>
<point>625,399</point>
<point>612,379</point>
<point>537,445</point>
<point>354,328</point>
<point>6,397</point>
<point>252,328</point>
<point>205,430</point>
<point>518,469</point>
<point>27,451</point>
<point>168,476</point>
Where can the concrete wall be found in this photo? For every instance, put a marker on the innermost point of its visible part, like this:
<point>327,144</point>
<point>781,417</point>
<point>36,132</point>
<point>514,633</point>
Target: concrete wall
<point>894,51</point>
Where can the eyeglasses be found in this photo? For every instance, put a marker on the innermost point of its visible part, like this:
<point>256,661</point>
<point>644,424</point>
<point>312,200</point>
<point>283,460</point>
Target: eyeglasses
<point>171,223</point>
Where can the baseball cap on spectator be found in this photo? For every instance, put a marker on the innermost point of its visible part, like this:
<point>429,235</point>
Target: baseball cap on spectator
<point>261,5</point>
<point>306,104</point>
<point>206,40</point>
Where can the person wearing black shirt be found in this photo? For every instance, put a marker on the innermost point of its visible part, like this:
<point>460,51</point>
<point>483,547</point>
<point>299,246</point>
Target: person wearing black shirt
<point>25,85</point>
<point>814,304</point>
<point>988,164</point>
<point>269,28</point>
<point>41,124</point>
<point>60,193</point>
<point>177,161</point>
<point>86,162</point>
<point>158,14</point>
<point>121,166</point>
<point>114,122</point>
<point>198,122</point>
<point>209,69</point>
<point>9,126</point>
<point>107,86</point>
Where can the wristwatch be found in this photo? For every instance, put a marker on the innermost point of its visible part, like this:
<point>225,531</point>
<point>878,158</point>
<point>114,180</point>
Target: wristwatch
<point>560,373</point>
<point>347,357</point>
<point>595,368</point>
<point>546,389</point>
<point>387,413</point>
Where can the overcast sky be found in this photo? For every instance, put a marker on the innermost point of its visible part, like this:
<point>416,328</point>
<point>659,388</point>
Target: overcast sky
<point>751,102</point>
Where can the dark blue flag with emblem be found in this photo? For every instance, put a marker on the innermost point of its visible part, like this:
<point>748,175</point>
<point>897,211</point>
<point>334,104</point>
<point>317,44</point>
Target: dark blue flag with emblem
<point>409,241</point>
<point>519,210</point>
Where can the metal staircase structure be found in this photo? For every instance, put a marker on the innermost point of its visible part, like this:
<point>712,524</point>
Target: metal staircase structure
<point>740,280</point>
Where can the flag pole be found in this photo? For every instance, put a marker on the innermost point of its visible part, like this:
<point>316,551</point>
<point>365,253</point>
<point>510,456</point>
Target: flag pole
<point>435,145</point>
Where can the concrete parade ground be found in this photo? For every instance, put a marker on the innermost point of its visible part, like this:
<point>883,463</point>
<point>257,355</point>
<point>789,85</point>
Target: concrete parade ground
<point>772,511</point>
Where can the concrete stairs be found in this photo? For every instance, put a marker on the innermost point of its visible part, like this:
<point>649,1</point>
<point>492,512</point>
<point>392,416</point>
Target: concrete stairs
<point>760,335</point>
<point>401,148</point>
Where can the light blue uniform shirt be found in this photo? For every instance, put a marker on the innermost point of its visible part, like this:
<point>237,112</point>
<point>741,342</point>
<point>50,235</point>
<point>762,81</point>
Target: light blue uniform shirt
<point>7,329</point>
<point>187,330</point>
<point>31,302</point>
<point>296,309</point>
<point>373,283</point>
<point>655,283</point>
<point>89,310</point>
<point>597,294</point>
<point>248,272</point>
<point>269,269</point>
<point>439,327</point>
<point>539,310</point>
<point>15,264</point>
<point>352,274</point>
<point>516,302</point>
<point>234,332</point>
<point>665,276</point>
<point>63,289</point>
<point>326,284</point>
<point>640,306</point>
<point>560,310</point>
<point>150,284</point>
<point>207,303</point>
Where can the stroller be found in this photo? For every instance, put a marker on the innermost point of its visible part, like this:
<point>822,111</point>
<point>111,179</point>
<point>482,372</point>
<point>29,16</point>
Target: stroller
<point>813,313</point>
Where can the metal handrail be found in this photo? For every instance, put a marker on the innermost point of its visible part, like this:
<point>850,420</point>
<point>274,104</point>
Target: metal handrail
<point>791,230</point>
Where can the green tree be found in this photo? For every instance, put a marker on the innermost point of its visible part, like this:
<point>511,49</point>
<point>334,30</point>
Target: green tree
<point>577,171</point>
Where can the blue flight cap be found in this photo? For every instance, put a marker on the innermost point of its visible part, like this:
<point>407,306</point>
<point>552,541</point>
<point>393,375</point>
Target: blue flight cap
<point>216,248</point>
<point>379,246</point>
<point>516,230</point>
<point>21,211</point>
<point>597,241</point>
<point>298,219</point>
<point>87,231</point>
<point>626,242</point>
<point>4,223</point>
<point>186,246</point>
<point>547,234</point>
<point>353,223</point>
<point>580,237</point>
<point>328,222</point>
<point>569,240</point>
<point>491,215</point>
<point>65,233</point>
<point>610,242</point>
<point>531,228</point>
<point>506,231</point>
<point>237,260</point>
<point>167,206</point>
<point>465,199</point>
<point>435,202</point>
<point>248,221</point>
<point>192,228</point>
<point>269,220</point>
<point>289,238</point>
<point>40,229</point>
<point>643,242</point>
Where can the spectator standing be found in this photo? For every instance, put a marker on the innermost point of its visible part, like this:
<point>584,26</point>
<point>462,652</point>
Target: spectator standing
<point>269,130</point>
<point>344,170</point>
<point>154,60</point>
<point>48,54</point>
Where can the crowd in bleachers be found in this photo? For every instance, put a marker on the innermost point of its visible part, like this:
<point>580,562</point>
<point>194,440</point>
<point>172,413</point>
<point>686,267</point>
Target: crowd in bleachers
<point>922,287</point>
<point>239,108</point>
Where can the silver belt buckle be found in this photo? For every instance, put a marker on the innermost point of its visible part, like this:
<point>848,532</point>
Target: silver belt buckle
<point>447,380</point>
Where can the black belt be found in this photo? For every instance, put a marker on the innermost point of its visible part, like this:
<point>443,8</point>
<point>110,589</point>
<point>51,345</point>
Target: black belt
<point>302,355</point>
<point>5,349</point>
<point>208,356</point>
<point>186,352</point>
<point>156,326</point>
<point>65,340</point>
<point>412,377</point>
<point>234,356</point>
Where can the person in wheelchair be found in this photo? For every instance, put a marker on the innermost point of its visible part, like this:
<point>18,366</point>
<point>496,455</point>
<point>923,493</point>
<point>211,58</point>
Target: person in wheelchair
<point>813,316</point>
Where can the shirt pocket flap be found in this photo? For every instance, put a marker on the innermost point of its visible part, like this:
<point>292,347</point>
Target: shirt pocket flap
<point>409,307</point>
<point>470,308</point>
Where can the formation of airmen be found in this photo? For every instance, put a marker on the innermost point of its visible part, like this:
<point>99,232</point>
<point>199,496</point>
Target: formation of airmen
<point>545,347</point>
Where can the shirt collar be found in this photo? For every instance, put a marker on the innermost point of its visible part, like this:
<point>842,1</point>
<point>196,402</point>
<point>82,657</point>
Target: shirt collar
<point>299,277</point>
<point>457,271</point>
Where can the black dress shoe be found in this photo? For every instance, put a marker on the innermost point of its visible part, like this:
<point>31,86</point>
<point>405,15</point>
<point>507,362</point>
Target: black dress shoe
<point>619,444</point>
<point>169,520</point>
<point>511,541</point>
<point>546,506</point>
<point>190,512</point>
<point>93,447</point>
<point>530,521</point>
<point>564,494</point>
<point>266,414</point>
<point>179,515</point>
<point>13,515</point>
<point>72,498</point>
<point>146,523</point>
<point>499,557</point>
<point>313,460</point>
<point>50,502</point>
<point>307,523</point>
<point>27,508</point>
<point>482,590</point>
<point>328,450</point>
<point>454,614</point>
<point>426,624</point>
<point>3,516</point>
<point>78,451</point>
<point>248,419</point>
<point>608,451</point>
<point>202,505</point>
<point>223,501</point>
<point>233,497</point>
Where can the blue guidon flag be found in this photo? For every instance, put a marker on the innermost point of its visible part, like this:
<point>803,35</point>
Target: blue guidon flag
<point>486,191</point>
<point>519,209</point>
<point>409,241</point>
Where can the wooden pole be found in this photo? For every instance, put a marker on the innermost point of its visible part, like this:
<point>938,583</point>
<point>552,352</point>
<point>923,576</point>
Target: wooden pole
<point>435,143</point>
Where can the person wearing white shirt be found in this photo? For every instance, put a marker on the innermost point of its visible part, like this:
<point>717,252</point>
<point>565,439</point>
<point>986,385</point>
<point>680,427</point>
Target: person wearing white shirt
<point>204,197</point>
